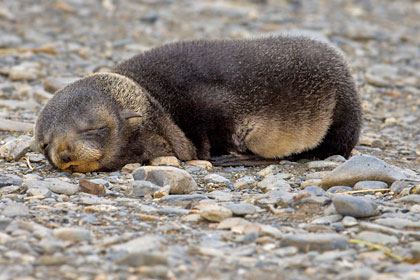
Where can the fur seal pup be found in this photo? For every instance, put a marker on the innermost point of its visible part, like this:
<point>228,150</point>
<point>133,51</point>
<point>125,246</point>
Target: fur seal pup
<point>271,97</point>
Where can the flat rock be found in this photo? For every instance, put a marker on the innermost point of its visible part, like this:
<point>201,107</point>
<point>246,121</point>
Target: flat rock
<point>26,71</point>
<point>398,223</point>
<point>215,213</point>
<point>358,207</point>
<point>72,234</point>
<point>9,180</point>
<point>376,237</point>
<point>9,125</point>
<point>241,209</point>
<point>274,182</point>
<point>382,75</point>
<point>37,188</point>
<point>140,244</point>
<point>361,168</point>
<point>140,188</point>
<point>370,185</point>
<point>179,180</point>
<point>316,241</point>
<point>166,161</point>
<point>322,164</point>
<point>220,195</point>
<point>61,187</point>
<point>15,149</point>
<point>411,199</point>
<point>216,178</point>
<point>14,209</point>
<point>349,221</point>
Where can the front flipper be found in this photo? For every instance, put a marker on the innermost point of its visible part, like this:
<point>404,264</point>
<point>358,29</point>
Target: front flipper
<point>241,160</point>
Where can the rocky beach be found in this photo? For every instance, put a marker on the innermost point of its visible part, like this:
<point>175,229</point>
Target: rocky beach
<point>356,218</point>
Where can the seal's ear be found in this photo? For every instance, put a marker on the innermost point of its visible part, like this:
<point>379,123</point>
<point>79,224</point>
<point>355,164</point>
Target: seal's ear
<point>128,115</point>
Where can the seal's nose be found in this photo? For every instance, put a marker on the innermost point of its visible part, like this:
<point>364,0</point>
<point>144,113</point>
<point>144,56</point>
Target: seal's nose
<point>65,156</point>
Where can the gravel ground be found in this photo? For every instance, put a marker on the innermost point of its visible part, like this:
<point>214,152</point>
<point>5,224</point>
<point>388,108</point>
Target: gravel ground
<point>331,219</point>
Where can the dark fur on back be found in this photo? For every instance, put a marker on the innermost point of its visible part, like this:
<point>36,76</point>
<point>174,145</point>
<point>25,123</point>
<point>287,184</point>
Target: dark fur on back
<point>206,85</point>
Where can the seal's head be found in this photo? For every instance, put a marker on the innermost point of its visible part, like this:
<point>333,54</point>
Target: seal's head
<point>80,128</point>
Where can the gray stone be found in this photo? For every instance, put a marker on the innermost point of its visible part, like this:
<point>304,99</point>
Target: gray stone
<point>179,180</point>
<point>376,237</point>
<point>9,125</point>
<point>72,234</point>
<point>370,185</point>
<point>61,187</point>
<point>398,223</point>
<point>215,213</point>
<point>327,220</point>
<point>138,188</point>
<point>146,243</point>
<point>316,241</point>
<point>9,179</point>
<point>216,178</point>
<point>412,198</point>
<point>8,40</point>
<point>143,259</point>
<point>243,182</point>
<point>322,164</point>
<point>339,189</point>
<point>4,222</point>
<point>315,191</point>
<point>15,149</point>
<point>274,182</point>
<point>382,75</point>
<point>27,71</point>
<point>349,221</point>
<point>358,207</point>
<point>399,185</point>
<point>362,168</point>
<point>36,188</point>
<point>364,273</point>
<point>220,195</point>
<point>14,209</point>
<point>241,209</point>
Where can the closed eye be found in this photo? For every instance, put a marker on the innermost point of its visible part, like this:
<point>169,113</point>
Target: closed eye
<point>95,131</point>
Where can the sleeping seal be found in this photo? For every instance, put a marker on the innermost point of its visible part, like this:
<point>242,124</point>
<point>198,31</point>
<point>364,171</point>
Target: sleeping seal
<point>270,97</point>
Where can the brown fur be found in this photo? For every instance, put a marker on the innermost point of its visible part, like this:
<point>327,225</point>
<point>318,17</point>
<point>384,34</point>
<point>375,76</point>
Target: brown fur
<point>272,97</point>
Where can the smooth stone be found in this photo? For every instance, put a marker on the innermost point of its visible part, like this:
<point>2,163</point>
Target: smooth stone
<point>349,221</point>
<point>398,223</point>
<point>216,178</point>
<point>311,182</point>
<point>322,164</point>
<point>267,230</point>
<point>215,213</point>
<point>72,234</point>
<point>274,182</point>
<point>358,207</point>
<point>14,209</point>
<point>230,223</point>
<point>399,185</point>
<point>139,188</point>
<point>61,187</point>
<point>327,220</point>
<point>315,191</point>
<point>130,167</point>
<point>339,189</point>
<point>15,149</point>
<point>9,180</point>
<point>364,273</point>
<point>52,84</point>
<point>202,164</point>
<point>376,237</point>
<point>370,185</point>
<point>179,180</point>
<point>26,71</point>
<point>362,168</point>
<point>220,195</point>
<point>269,170</point>
<point>143,259</point>
<point>191,218</point>
<point>242,209</point>
<point>410,199</point>
<point>316,241</point>
<point>10,125</point>
<point>382,75</point>
<point>4,223</point>
<point>166,161</point>
<point>144,243</point>
<point>243,183</point>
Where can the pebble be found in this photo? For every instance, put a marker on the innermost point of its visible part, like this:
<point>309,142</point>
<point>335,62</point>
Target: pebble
<point>274,182</point>
<point>358,207</point>
<point>145,243</point>
<point>143,259</point>
<point>241,209</point>
<point>398,223</point>
<point>179,180</point>
<point>37,188</point>
<point>9,179</point>
<point>349,221</point>
<point>410,199</point>
<point>399,185</point>
<point>376,237</point>
<point>203,164</point>
<point>216,178</point>
<point>61,187</point>
<point>166,161</point>
<point>327,220</point>
<point>315,191</point>
<point>306,242</point>
<point>15,149</point>
<point>322,164</point>
<point>370,185</point>
<point>72,234</point>
<point>26,71</point>
<point>243,183</point>
<point>14,209</point>
<point>139,188</point>
<point>361,168</point>
<point>382,75</point>
<point>215,213</point>
<point>339,189</point>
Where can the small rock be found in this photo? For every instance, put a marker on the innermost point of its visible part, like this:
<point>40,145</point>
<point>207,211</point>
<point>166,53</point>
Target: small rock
<point>61,187</point>
<point>399,185</point>
<point>166,161</point>
<point>15,149</point>
<point>310,182</point>
<point>179,180</point>
<point>364,273</point>
<point>362,168</point>
<point>315,191</point>
<point>242,209</point>
<point>339,189</point>
<point>349,221</point>
<point>37,188</point>
<point>220,195</point>
<point>72,234</point>
<point>358,207</point>
<point>315,241</point>
<point>102,208</point>
<point>412,198</point>
<point>327,220</point>
<point>203,164</point>
<point>382,75</point>
<point>143,259</point>
<point>9,125</point>
<point>370,185</point>
<point>398,223</point>
<point>376,237</point>
<point>130,167</point>
<point>216,178</point>
<point>91,187</point>
<point>322,164</point>
<point>14,209</point>
<point>164,191</point>
<point>215,213</point>
<point>274,182</point>
<point>230,223</point>
<point>144,243</point>
<point>9,179</point>
<point>243,182</point>
<point>27,71</point>
<point>267,230</point>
